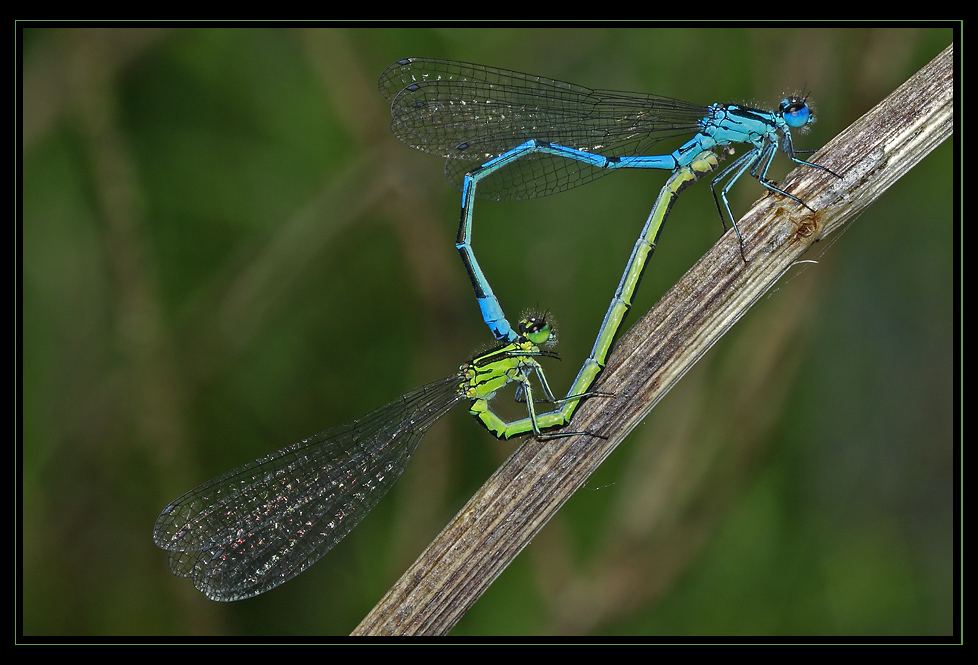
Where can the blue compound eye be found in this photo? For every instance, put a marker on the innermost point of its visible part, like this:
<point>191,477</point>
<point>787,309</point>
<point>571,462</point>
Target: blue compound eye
<point>795,112</point>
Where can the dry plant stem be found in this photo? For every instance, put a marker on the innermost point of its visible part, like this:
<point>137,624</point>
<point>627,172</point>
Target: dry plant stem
<point>529,488</point>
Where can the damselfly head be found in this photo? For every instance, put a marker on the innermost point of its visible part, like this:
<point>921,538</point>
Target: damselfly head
<point>797,111</point>
<point>534,327</point>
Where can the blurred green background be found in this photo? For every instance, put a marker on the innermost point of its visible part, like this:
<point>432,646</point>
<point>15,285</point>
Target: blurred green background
<point>225,250</point>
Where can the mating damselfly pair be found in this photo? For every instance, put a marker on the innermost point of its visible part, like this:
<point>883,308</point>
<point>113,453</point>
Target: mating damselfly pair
<point>506,136</point>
